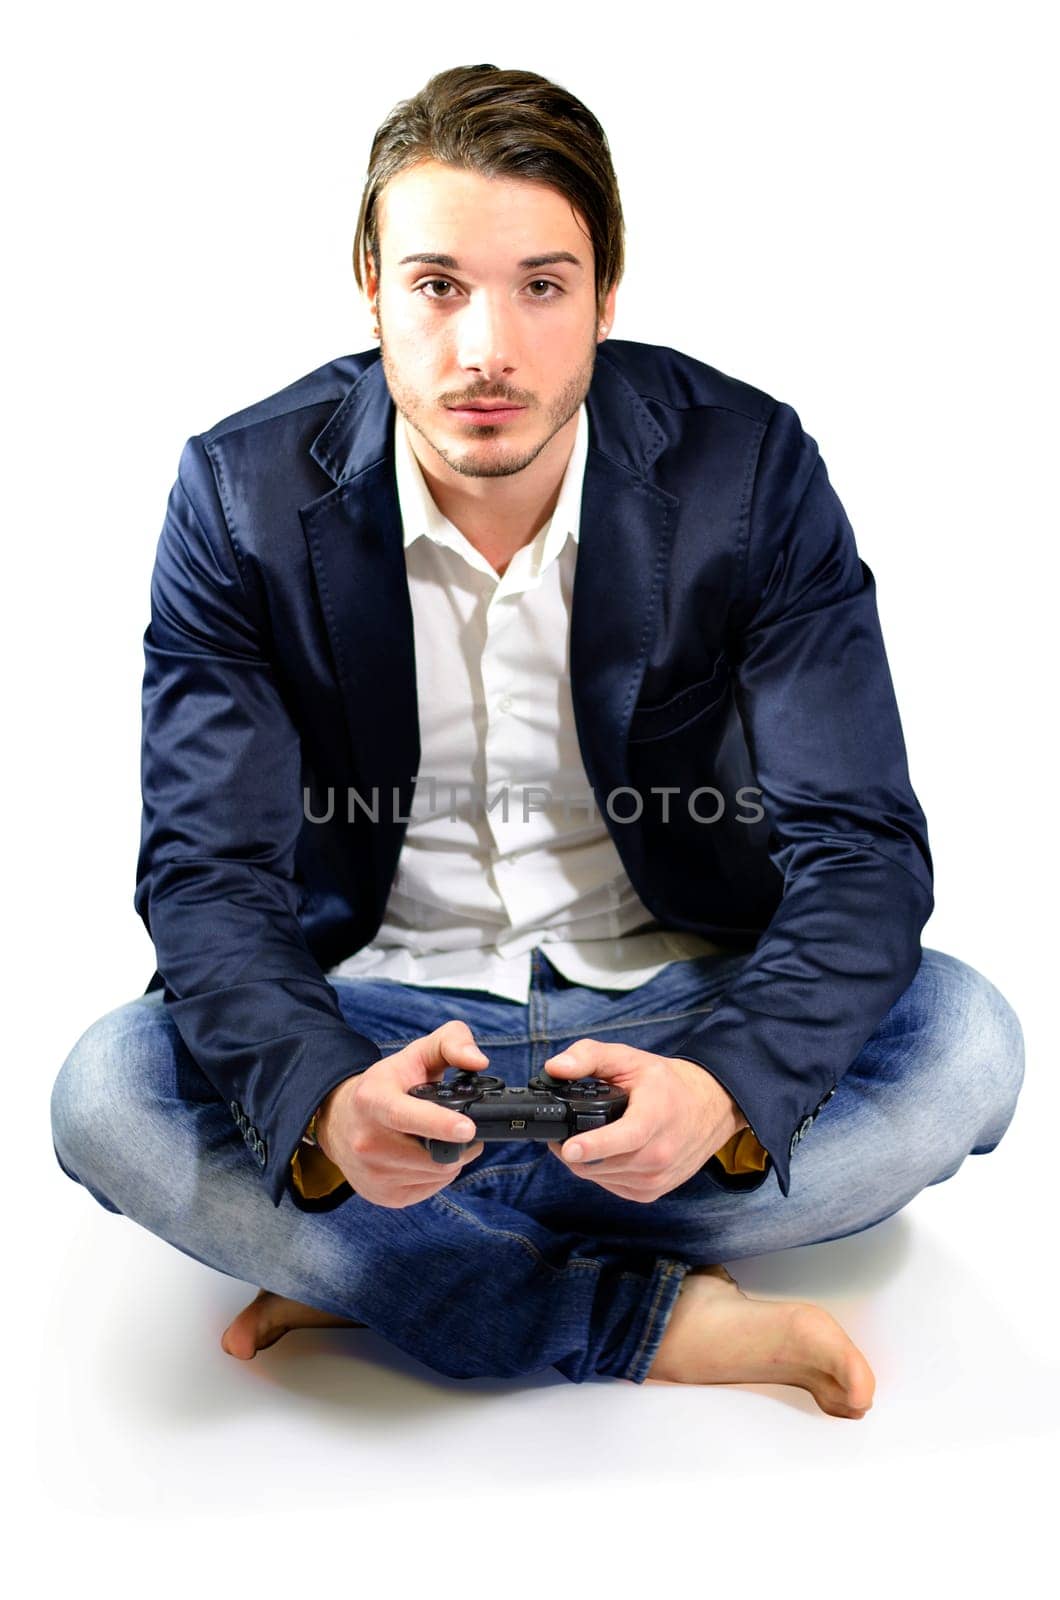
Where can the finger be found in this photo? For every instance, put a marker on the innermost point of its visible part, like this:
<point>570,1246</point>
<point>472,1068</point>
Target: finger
<point>577,1060</point>
<point>623,1191</point>
<point>451,1045</point>
<point>406,1161</point>
<point>595,1058</point>
<point>556,1146</point>
<point>629,1186</point>
<point>603,1172</point>
<point>626,1182</point>
<point>402,1113</point>
<point>414,1161</point>
<point>628,1135</point>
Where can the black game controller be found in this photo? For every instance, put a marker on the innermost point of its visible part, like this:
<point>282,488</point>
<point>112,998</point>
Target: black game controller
<point>548,1108</point>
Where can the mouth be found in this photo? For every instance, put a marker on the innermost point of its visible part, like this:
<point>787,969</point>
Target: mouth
<point>486,412</point>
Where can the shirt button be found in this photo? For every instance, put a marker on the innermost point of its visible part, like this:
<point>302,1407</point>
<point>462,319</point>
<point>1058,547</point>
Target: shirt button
<point>504,703</point>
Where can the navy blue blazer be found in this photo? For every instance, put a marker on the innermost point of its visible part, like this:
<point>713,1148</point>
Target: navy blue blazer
<point>724,636</point>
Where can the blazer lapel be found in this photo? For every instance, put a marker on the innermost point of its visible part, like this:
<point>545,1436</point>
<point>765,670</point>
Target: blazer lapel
<point>623,561</point>
<point>620,577</point>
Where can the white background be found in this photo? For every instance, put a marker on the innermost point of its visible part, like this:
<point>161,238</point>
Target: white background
<point>845,205</point>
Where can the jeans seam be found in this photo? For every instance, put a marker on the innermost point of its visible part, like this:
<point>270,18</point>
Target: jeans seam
<point>484,1172</point>
<point>644,1022</point>
<point>535,1038</point>
<point>590,1264</point>
<point>507,1233</point>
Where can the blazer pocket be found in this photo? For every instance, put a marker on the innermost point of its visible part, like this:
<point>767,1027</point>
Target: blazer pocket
<point>680,711</point>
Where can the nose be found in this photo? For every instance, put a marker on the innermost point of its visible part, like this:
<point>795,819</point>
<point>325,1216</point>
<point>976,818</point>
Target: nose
<point>486,339</point>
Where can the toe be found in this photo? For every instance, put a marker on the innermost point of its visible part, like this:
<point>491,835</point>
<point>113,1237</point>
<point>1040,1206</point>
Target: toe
<point>243,1336</point>
<point>238,1340</point>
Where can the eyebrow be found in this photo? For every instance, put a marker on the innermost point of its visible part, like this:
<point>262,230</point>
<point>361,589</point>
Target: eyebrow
<point>552,258</point>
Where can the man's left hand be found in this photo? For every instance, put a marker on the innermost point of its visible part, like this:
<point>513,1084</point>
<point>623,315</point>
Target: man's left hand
<point>677,1117</point>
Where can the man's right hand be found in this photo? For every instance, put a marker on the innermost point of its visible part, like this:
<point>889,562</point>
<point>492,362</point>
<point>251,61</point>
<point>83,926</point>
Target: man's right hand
<point>367,1124</point>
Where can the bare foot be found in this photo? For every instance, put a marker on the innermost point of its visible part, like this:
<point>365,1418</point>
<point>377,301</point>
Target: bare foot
<point>268,1317</point>
<point>716,1334</point>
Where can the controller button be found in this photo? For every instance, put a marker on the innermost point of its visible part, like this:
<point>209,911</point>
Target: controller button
<point>584,1122</point>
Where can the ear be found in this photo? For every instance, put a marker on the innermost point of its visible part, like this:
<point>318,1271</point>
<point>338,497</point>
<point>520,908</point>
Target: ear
<point>371,281</point>
<point>606,320</point>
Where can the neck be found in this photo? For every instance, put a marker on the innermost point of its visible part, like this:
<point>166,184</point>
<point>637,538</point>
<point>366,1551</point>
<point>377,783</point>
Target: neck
<point>498,515</point>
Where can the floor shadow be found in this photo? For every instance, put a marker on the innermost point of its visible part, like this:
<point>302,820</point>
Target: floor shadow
<point>854,1265</point>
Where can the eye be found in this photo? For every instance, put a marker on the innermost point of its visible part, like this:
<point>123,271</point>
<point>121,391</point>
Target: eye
<point>549,290</point>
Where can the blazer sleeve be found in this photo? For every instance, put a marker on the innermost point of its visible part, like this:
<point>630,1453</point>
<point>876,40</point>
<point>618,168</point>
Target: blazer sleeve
<point>814,694</point>
<point>221,773</point>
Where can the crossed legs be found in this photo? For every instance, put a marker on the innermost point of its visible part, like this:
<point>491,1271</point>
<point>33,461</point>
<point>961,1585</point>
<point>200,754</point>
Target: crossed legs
<point>519,1264</point>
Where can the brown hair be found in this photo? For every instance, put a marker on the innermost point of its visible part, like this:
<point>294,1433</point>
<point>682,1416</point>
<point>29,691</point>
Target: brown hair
<point>501,124</point>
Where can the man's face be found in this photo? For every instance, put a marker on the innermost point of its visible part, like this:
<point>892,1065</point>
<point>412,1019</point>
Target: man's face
<point>490,322</point>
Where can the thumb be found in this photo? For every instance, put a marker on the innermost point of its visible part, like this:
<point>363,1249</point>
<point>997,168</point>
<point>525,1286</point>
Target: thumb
<point>451,1045</point>
<point>581,1060</point>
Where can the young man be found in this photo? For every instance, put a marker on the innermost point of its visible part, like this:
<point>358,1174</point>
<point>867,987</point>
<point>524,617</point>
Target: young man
<point>515,701</point>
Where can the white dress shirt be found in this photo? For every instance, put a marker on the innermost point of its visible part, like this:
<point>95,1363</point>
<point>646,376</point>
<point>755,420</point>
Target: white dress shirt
<point>476,890</point>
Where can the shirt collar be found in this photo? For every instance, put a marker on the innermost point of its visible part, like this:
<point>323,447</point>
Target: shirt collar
<point>420,515</point>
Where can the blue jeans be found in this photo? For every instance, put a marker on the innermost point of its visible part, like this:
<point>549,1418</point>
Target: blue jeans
<point>518,1264</point>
